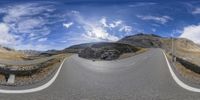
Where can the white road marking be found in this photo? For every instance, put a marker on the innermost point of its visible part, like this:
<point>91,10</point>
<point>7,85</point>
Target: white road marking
<point>177,80</point>
<point>42,87</point>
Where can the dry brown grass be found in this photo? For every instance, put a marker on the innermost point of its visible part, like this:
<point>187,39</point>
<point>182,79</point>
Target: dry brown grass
<point>186,73</point>
<point>11,55</point>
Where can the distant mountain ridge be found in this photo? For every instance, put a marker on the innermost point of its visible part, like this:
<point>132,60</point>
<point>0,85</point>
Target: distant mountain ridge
<point>155,41</point>
<point>145,41</point>
<point>139,40</point>
<point>30,52</point>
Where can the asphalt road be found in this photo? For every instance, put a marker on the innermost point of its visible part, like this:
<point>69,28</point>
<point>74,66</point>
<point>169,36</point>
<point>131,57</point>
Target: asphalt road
<point>143,77</point>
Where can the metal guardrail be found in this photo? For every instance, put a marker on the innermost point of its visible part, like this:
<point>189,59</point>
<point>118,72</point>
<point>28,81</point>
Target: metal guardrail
<point>25,70</point>
<point>188,65</point>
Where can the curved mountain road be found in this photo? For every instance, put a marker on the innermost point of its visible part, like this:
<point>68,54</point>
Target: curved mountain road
<point>143,77</point>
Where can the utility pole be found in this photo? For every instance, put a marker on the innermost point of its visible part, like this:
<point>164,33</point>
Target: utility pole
<point>173,49</point>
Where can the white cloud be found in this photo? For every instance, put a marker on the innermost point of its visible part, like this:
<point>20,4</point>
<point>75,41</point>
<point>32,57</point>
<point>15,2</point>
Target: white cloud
<point>99,34</point>
<point>113,24</point>
<point>25,24</point>
<point>117,24</point>
<point>126,29</point>
<point>16,12</point>
<point>196,11</point>
<point>67,25</point>
<point>27,18</point>
<point>103,21</point>
<point>93,30</point>
<point>29,25</point>
<point>159,19</point>
<point>42,39</point>
<point>6,38</point>
<point>142,4</point>
<point>192,32</point>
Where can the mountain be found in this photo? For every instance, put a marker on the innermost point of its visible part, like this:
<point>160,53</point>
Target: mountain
<point>77,48</point>
<point>30,52</point>
<point>11,54</point>
<point>143,40</point>
<point>105,50</point>
<point>155,41</point>
<point>184,48</point>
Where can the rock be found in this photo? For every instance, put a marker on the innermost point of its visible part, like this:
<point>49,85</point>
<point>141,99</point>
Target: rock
<point>106,51</point>
<point>110,55</point>
<point>87,53</point>
<point>102,53</point>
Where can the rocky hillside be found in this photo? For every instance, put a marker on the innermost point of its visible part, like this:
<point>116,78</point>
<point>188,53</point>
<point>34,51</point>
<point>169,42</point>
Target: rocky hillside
<point>29,52</point>
<point>154,41</point>
<point>106,50</point>
<point>77,48</point>
<point>143,40</point>
<point>184,48</point>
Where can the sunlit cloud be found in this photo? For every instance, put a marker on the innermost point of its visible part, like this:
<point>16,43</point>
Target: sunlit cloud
<point>159,19</point>
<point>192,32</point>
<point>67,25</point>
<point>93,30</point>
<point>140,4</point>
<point>25,22</point>
<point>6,38</point>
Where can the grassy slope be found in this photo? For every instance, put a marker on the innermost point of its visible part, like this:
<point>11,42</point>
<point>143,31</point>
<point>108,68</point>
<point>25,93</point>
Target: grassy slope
<point>11,55</point>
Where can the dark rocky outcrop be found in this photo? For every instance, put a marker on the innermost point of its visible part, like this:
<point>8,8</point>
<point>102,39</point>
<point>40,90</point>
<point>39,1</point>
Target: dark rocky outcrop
<point>88,53</point>
<point>110,55</point>
<point>103,54</point>
<point>106,51</point>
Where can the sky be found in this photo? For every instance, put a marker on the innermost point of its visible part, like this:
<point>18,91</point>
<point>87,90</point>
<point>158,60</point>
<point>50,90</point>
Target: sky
<point>45,25</point>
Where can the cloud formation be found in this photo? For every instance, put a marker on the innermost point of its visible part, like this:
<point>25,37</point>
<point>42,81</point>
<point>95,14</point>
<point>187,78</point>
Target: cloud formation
<point>159,19</point>
<point>6,38</point>
<point>196,11</point>
<point>67,25</point>
<point>114,24</point>
<point>119,24</point>
<point>192,32</point>
<point>24,23</point>
<point>93,30</point>
<point>140,4</point>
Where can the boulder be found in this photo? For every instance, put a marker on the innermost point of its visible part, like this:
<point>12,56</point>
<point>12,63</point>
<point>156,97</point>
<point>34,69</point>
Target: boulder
<point>110,54</point>
<point>87,53</point>
<point>102,53</point>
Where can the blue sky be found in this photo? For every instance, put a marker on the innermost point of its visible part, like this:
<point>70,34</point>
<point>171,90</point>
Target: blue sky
<point>44,25</point>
